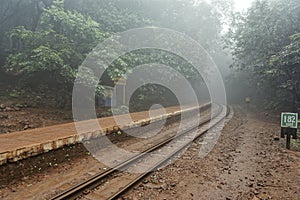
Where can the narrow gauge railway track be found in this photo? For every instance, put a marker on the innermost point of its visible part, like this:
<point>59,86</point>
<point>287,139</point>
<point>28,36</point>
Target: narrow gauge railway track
<point>111,183</point>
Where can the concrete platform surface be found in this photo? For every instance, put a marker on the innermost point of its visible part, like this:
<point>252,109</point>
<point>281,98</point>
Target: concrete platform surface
<point>24,144</point>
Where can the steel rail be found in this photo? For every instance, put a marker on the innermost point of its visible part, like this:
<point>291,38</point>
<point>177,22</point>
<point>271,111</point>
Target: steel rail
<point>77,190</point>
<point>162,162</point>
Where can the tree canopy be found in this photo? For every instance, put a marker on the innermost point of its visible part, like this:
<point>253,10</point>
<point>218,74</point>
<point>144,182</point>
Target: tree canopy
<point>265,44</point>
<point>43,42</point>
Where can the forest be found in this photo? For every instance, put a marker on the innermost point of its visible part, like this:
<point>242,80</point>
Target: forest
<point>150,99</point>
<point>43,43</point>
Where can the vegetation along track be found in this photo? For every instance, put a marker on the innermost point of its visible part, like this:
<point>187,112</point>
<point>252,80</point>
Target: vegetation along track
<point>113,182</point>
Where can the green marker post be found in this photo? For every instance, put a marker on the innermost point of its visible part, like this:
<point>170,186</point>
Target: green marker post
<point>289,126</point>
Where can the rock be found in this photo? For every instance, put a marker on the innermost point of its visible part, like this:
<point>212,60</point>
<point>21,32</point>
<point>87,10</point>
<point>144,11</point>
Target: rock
<point>255,198</point>
<point>219,187</point>
<point>263,196</point>
<point>256,192</point>
<point>26,127</point>
<point>156,186</point>
<point>8,109</point>
<point>173,184</point>
<point>86,192</point>
<point>24,122</point>
<point>2,106</point>
<point>268,173</point>
<point>3,116</point>
<point>260,184</point>
<point>17,108</point>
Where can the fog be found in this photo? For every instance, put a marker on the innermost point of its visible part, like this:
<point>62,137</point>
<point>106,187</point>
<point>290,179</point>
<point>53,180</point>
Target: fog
<point>44,43</point>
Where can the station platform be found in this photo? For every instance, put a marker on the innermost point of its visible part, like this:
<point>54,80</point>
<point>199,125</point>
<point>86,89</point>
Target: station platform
<point>24,144</point>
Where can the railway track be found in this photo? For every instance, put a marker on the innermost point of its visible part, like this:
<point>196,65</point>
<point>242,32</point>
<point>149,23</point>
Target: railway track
<point>113,182</point>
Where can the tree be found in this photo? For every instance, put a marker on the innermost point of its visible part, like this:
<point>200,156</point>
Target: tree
<point>286,67</point>
<point>53,37</point>
<point>51,54</point>
<point>259,37</point>
<point>112,17</point>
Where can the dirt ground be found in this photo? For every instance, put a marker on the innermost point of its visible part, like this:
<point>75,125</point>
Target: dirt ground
<point>14,118</point>
<point>17,118</point>
<point>246,163</point>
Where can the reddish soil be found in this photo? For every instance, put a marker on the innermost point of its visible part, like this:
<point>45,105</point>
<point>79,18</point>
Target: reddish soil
<point>43,176</point>
<point>13,118</point>
<point>245,164</point>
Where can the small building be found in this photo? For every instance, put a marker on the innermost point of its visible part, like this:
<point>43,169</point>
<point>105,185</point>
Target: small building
<point>114,92</point>
<point>119,95</point>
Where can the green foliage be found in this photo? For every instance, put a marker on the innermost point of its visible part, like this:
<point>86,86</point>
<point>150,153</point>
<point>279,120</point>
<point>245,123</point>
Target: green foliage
<point>286,64</point>
<point>82,31</point>
<point>290,54</point>
<point>47,40</point>
<point>265,45</point>
<point>16,93</point>
<point>55,49</point>
<point>109,14</point>
<point>120,110</point>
